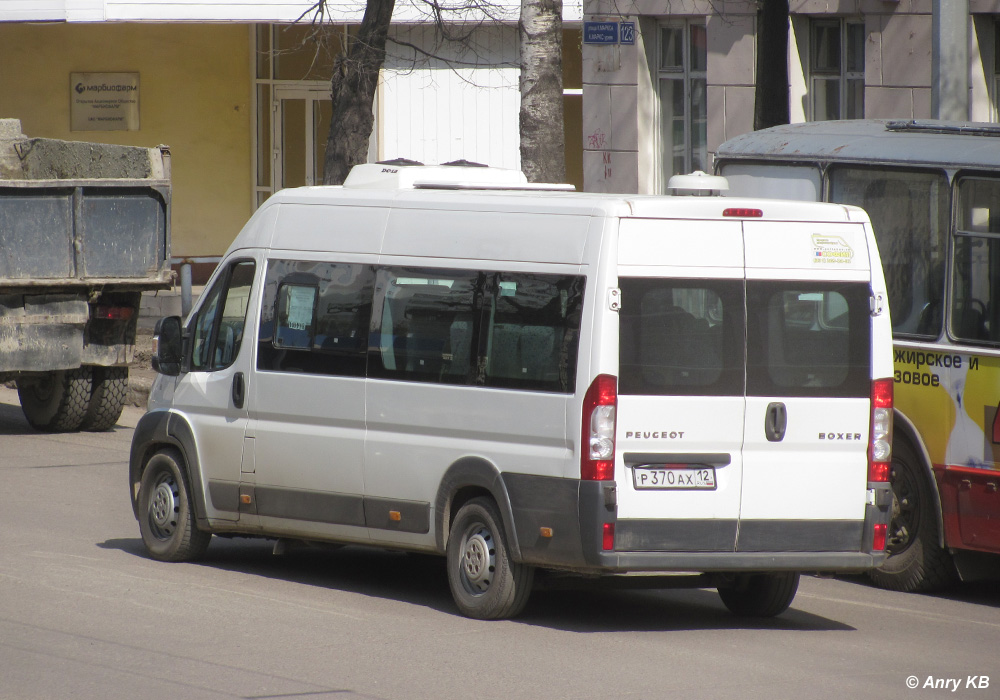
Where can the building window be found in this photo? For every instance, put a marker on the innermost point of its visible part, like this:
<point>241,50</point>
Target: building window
<point>995,87</point>
<point>837,80</point>
<point>681,86</point>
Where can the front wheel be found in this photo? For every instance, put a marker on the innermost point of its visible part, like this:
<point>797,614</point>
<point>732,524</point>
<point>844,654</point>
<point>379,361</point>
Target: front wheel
<point>166,512</point>
<point>485,583</point>
<point>760,595</point>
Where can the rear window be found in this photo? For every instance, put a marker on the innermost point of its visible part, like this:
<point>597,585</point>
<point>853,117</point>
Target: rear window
<point>808,339</point>
<point>681,337</point>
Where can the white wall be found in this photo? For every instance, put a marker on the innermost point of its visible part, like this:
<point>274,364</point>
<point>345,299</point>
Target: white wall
<point>225,10</point>
<point>436,112</point>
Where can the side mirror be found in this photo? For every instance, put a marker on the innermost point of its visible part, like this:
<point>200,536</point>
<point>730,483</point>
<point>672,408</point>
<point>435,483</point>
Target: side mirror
<point>167,346</point>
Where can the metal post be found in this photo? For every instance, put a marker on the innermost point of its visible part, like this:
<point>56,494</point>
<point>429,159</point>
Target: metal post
<point>950,59</point>
<point>185,288</point>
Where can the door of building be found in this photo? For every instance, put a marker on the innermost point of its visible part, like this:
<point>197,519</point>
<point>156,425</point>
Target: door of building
<point>300,126</point>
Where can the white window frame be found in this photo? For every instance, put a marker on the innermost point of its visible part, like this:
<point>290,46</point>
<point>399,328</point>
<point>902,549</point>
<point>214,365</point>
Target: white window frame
<point>688,75</point>
<point>842,75</point>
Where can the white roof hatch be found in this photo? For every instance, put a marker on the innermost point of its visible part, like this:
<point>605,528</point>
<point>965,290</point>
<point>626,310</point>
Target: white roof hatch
<point>402,174</point>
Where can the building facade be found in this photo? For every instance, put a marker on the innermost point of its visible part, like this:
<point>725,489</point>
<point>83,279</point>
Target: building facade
<point>661,104</point>
<point>240,90</point>
<point>240,93</point>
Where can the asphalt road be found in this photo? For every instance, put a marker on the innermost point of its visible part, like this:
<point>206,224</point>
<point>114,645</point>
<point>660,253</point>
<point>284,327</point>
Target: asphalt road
<point>84,614</point>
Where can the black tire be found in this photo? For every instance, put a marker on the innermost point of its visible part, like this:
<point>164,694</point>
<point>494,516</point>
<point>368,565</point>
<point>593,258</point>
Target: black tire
<point>761,595</point>
<point>485,583</point>
<point>916,561</point>
<point>107,398</point>
<point>56,402</point>
<point>166,512</point>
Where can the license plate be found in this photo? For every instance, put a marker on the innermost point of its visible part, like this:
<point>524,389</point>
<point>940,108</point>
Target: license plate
<point>674,478</point>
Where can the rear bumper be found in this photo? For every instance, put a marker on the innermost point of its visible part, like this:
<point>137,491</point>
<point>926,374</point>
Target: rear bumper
<point>819,562</point>
<point>576,512</point>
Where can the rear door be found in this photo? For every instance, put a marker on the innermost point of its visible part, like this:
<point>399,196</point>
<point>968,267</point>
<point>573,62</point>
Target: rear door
<point>681,385</point>
<point>805,440</point>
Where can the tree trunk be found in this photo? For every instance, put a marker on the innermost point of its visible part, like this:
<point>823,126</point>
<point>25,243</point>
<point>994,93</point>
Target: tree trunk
<point>352,89</point>
<point>543,149</point>
<point>771,93</point>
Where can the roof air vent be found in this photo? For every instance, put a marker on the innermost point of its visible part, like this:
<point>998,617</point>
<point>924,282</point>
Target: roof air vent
<point>698,183</point>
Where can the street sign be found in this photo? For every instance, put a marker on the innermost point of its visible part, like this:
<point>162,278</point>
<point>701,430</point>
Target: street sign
<point>600,32</point>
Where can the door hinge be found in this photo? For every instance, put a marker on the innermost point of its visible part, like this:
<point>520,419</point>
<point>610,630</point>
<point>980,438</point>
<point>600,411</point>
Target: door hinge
<point>876,302</point>
<point>615,299</point>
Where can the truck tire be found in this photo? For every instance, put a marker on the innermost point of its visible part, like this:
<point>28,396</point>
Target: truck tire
<point>110,386</point>
<point>916,561</point>
<point>57,401</point>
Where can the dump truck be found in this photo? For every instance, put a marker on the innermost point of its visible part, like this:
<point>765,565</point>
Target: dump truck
<point>84,231</point>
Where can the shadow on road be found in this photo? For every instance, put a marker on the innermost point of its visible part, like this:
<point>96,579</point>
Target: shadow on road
<point>421,579</point>
<point>12,421</point>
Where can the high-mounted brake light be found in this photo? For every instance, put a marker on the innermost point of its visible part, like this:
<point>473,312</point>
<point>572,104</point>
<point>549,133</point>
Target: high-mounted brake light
<point>743,213</point>
<point>880,446</point>
<point>597,459</point>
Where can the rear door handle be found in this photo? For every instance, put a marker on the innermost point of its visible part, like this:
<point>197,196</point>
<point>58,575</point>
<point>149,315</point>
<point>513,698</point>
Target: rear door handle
<point>775,422</point>
<point>239,390</point>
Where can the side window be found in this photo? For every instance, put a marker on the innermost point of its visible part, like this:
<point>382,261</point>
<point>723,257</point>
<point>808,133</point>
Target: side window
<point>808,339</point>
<point>425,324</point>
<point>314,317</point>
<point>218,328</point>
<point>910,212</point>
<point>975,298</point>
<point>681,337</point>
<point>533,332</point>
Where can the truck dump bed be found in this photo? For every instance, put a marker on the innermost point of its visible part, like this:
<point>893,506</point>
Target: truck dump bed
<point>75,214</point>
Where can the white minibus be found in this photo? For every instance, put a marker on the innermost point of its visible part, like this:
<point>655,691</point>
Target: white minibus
<point>665,390</point>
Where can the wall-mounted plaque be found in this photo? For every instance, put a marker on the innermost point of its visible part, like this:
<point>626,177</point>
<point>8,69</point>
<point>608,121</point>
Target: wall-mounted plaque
<point>104,101</point>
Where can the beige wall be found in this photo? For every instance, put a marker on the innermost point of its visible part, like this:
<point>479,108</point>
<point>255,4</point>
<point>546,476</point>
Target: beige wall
<point>194,95</point>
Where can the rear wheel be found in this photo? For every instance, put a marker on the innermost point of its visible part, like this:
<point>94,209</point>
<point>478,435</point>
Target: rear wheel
<point>57,401</point>
<point>760,595</point>
<point>110,385</point>
<point>485,583</point>
<point>916,561</point>
<point>166,511</point>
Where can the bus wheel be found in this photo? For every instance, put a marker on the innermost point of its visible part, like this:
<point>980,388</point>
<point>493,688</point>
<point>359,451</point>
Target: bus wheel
<point>760,595</point>
<point>166,512</point>
<point>485,583</point>
<point>916,561</point>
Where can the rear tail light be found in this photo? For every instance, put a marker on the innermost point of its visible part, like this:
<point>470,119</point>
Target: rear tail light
<point>597,459</point>
<point>878,537</point>
<point>608,539</point>
<point>880,447</point>
<point>112,313</point>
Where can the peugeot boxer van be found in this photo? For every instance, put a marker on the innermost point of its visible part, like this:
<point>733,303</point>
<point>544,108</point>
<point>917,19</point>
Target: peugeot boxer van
<point>666,390</point>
